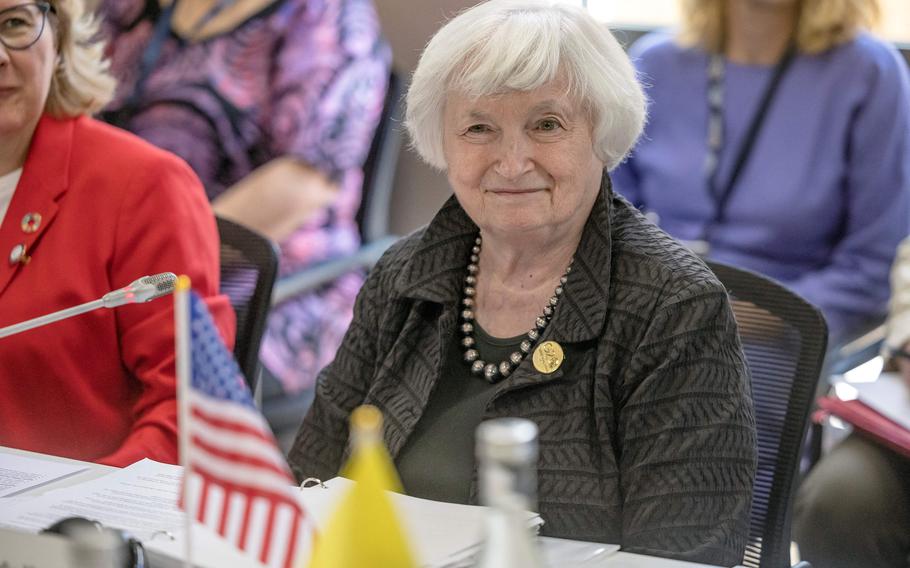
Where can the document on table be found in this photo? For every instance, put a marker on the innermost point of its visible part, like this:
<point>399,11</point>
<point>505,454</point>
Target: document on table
<point>888,395</point>
<point>18,473</point>
<point>442,534</point>
<point>142,499</point>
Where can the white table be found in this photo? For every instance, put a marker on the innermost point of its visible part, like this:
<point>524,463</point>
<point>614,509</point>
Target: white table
<point>555,548</point>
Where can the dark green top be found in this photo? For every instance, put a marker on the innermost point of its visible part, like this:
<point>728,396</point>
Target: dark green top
<point>437,462</point>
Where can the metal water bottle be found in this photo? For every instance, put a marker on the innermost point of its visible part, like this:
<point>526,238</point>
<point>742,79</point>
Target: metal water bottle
<point>507,458</point>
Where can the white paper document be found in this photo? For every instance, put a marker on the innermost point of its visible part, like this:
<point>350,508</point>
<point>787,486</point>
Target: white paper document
<point>888,395</point>
<point>559,553</point>
<point>141,499</point>
<point>442,534</point>
<point>18,473</point>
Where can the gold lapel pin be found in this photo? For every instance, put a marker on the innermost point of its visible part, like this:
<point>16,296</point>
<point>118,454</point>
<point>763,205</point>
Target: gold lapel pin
<point>31,222</point>
<point>548,357</point>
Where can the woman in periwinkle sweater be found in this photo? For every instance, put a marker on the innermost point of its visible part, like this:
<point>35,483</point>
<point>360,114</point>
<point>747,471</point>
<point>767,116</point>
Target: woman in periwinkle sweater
<point>821,198</point>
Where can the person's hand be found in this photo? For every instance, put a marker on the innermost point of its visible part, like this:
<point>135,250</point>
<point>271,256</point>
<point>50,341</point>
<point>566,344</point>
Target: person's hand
<point>277,198</point>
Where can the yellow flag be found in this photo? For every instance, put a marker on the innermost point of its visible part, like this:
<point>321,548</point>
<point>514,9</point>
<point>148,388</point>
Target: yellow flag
<point>364,531</point>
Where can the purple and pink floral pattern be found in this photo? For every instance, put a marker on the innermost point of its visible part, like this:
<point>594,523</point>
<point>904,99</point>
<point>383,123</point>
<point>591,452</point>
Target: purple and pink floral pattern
<point>305,78</point>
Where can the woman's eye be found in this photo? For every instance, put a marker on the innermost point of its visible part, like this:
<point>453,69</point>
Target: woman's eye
<point>549,125</point>
<point>11,23</point>
<point>478,129</point>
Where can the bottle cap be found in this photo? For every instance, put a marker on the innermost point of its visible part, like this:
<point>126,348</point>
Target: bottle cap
<point>366,417</point>
<point>511,440</point>
<point>366,423</point>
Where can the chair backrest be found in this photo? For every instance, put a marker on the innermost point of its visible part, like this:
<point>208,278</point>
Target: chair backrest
<point>249,266</point>
<point>380,165</point>
<point>784,340</point>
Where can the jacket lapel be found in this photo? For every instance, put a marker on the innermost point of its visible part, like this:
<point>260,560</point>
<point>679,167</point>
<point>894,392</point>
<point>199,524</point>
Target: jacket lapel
<point>436,269</point>
<point>45,179</point>
<point>432,279</point>
<point>582,311</point>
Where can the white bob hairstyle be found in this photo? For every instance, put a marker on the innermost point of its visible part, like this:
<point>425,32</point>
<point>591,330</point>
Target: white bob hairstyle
<point>518,45</point>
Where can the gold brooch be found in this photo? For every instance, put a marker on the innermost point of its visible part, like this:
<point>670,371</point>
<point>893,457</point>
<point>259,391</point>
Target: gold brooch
<point>548,357</point>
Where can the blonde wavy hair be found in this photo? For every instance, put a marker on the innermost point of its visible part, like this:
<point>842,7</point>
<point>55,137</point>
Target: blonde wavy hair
<point>822,24</point>
<point>82,83</point>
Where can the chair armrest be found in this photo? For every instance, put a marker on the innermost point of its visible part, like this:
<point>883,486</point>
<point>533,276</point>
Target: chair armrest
<point>311,278</point>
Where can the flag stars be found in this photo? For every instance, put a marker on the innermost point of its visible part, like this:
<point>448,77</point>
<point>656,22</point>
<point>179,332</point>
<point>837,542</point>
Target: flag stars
<point>214,370</point>
<point>216,378</point>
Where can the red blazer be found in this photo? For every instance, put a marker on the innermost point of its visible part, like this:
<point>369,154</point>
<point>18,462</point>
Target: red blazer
<point>99,386</point>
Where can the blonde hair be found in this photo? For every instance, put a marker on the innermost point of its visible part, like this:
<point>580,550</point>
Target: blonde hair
<point>822,24</point>
<point>82,83</point>
<point>519,45</point>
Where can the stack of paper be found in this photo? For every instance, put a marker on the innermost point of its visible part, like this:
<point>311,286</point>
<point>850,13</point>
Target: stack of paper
<point>19,473</point>
<point>443,534</point>
<point>142,500</point>
<point>889,396</point>
<point>880,410</point>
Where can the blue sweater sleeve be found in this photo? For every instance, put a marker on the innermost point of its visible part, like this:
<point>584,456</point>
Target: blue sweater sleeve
<point>877,189</point>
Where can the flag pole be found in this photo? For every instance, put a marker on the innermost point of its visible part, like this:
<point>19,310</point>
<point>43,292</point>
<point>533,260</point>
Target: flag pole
<point>182,344</point>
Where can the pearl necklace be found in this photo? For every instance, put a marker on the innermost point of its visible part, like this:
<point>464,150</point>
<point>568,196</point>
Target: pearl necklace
<point>491,371</point>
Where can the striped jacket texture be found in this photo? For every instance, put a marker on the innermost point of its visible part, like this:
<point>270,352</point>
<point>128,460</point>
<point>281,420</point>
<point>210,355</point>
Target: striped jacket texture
<point>647,433</point>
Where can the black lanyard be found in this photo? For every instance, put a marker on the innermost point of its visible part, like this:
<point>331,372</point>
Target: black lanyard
<point>720,194</point>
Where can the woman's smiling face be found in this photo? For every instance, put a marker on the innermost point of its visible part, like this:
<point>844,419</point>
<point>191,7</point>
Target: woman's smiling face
<point>523,160</point>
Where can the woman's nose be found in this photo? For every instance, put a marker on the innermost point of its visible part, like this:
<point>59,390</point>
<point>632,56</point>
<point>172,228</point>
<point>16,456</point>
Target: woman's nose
<point>515,156</point>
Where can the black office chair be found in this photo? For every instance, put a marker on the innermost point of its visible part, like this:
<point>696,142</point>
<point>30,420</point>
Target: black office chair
<point>249,265</point>
<point>380,165</point>
<point>784,340</point>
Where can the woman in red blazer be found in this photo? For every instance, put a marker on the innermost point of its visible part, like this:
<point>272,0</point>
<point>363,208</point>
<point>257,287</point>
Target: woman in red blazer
<point>85,209</point>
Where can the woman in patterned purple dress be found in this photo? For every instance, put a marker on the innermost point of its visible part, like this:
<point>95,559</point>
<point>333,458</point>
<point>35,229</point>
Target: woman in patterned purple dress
<point>273,103</point>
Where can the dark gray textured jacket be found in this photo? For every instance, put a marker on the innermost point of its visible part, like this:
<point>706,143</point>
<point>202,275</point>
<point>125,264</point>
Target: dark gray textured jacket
<point>646,430</point>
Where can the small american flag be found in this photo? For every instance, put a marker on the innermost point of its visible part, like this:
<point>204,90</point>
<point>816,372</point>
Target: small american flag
<point>243,488</point>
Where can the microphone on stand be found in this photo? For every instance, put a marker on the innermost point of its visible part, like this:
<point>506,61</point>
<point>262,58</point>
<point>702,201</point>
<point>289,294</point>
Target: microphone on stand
<point>142,290</point>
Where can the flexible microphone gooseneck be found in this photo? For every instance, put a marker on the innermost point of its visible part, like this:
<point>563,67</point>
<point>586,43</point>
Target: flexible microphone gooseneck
<point>142,290</point>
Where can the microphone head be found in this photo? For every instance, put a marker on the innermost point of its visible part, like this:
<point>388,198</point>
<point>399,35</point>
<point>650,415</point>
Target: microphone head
<point>142,290</point>
<point>150,287</point>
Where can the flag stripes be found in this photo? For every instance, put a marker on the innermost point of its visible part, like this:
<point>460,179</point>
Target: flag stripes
<point>244,487</point>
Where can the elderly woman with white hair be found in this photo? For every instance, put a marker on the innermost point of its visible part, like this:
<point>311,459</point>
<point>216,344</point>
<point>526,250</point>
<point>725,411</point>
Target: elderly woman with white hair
<point>643,398</point>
